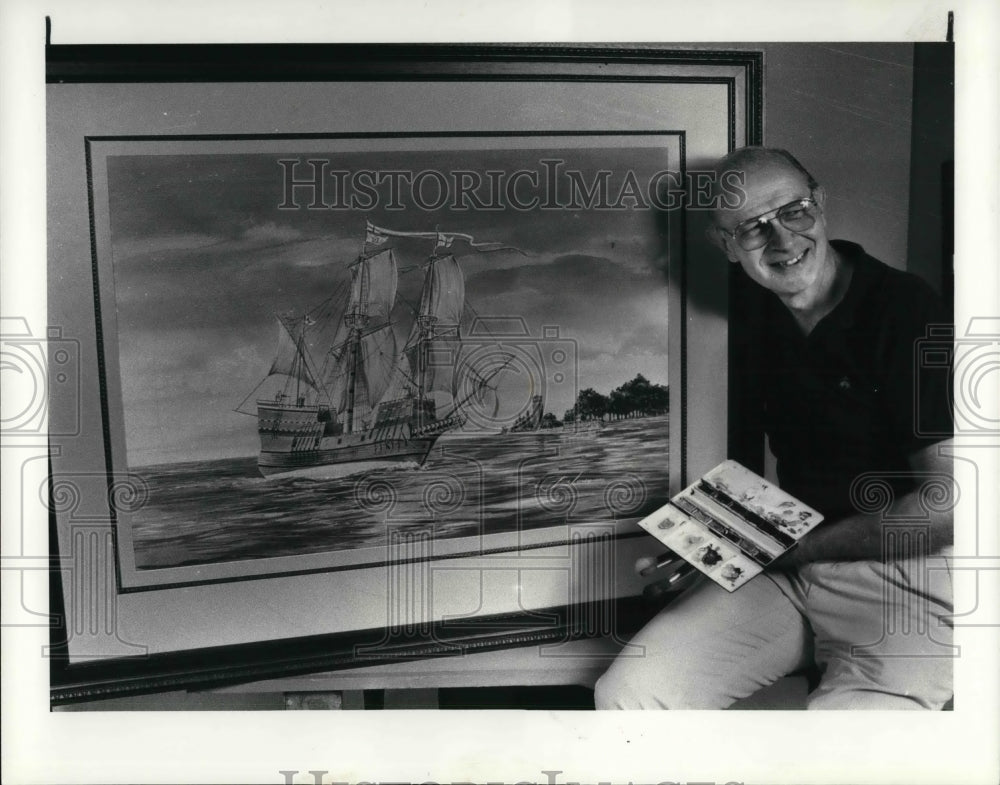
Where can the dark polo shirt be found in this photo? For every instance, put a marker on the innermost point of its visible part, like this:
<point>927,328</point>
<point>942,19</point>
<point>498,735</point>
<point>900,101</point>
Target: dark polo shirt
<point>851,397</point>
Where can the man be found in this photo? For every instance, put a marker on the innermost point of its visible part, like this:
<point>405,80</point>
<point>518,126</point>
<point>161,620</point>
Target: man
<point>839,387</point>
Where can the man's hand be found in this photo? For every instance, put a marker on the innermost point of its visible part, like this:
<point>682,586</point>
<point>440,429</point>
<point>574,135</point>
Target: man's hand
<point>673,574</point>
<point>789,560</point>
<point>647,565</point>
<point>859,537</point>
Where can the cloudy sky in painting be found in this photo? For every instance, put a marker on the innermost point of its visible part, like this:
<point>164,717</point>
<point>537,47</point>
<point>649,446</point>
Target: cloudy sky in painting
<point>204,260</point>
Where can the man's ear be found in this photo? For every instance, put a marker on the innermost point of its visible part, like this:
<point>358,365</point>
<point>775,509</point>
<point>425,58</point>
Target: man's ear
<point>718,238</point>
<point>715,237</point>
<point>819,194</point>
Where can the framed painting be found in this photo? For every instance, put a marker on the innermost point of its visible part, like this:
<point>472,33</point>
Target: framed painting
<point>371,351</point>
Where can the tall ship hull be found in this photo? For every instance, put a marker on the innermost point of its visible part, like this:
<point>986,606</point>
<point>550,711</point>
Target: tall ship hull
<point>279,458</point>
<point>297,438</point>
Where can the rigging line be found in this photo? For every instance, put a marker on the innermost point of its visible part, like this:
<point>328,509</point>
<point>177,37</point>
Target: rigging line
<point>481,380</point>
<point>485,381</point>
<point>406,271</point>
<point>380,346</point>
<point>443,332</point>
<point>310,365</point>
<point>318,386</point>
<point>376,329</point>
<point>448,334</point>
<point>339,346</point>
<point>340,297</point>
<point>483,324</point>
<point>239,409</point>
<point>340,292</point>
<point>407,378</point>
<point>405,301</point>
<point>323,319</point>
<point>319,306</point>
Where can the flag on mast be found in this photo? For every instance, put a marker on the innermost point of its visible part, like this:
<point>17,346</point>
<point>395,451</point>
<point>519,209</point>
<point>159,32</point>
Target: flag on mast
<point>373,239</point>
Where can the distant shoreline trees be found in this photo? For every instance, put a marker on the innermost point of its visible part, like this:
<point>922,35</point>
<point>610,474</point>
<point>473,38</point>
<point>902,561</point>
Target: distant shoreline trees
<point>636,398</point>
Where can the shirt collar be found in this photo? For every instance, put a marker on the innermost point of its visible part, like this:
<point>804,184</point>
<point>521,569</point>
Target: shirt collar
<point>862,279</point>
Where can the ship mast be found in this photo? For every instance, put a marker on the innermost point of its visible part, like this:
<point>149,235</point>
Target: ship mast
<point>299,346</point>
<point>425,324</point>
<point>364,347</point>
<point>356,319</point>
<point>435,330</point>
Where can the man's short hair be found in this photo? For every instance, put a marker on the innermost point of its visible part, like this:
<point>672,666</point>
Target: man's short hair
<point>752,157</point>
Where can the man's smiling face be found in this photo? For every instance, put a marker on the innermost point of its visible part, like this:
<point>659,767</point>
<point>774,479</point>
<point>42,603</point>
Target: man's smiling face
<point>791,262</point>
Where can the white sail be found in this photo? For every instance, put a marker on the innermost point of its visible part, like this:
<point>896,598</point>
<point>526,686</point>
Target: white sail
<point>373,286</point>
<point>443,297</point>
<point>336,380</point>
<point>434,358</point>
<point>401,381</point>
<point>362,409</point>
<point>378,360</point>
<point>433,345</point>
<point>291,358</point>
<point>373,293</point>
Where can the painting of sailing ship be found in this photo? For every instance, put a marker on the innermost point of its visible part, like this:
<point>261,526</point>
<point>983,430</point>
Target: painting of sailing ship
<point>462,370</point>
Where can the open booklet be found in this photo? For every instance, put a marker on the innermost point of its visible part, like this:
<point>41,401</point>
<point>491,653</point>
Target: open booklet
<point>731,523</point>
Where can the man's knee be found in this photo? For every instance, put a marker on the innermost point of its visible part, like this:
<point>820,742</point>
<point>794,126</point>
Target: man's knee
<point>874,700</point>
<point>891,683</point>
<point>636,683</point>
<point>708,650</point>
<point>626,686</point>
<point>609,693</point>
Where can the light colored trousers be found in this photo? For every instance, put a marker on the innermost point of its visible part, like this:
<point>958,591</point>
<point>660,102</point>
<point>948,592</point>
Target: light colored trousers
<point>879,633</point>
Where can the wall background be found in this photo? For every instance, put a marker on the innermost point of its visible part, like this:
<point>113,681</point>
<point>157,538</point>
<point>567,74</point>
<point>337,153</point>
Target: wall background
<point>874,123</point>
<point>845,111</point>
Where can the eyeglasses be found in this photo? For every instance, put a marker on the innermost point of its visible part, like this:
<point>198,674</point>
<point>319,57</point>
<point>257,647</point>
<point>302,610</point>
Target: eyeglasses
<point>797,216</point>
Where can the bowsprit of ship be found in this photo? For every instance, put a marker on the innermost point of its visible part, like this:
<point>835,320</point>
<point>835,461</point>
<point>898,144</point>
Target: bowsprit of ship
<point>369,403</point>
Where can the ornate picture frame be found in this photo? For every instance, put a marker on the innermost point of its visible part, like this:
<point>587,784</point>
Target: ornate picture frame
<point>136,136</point>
